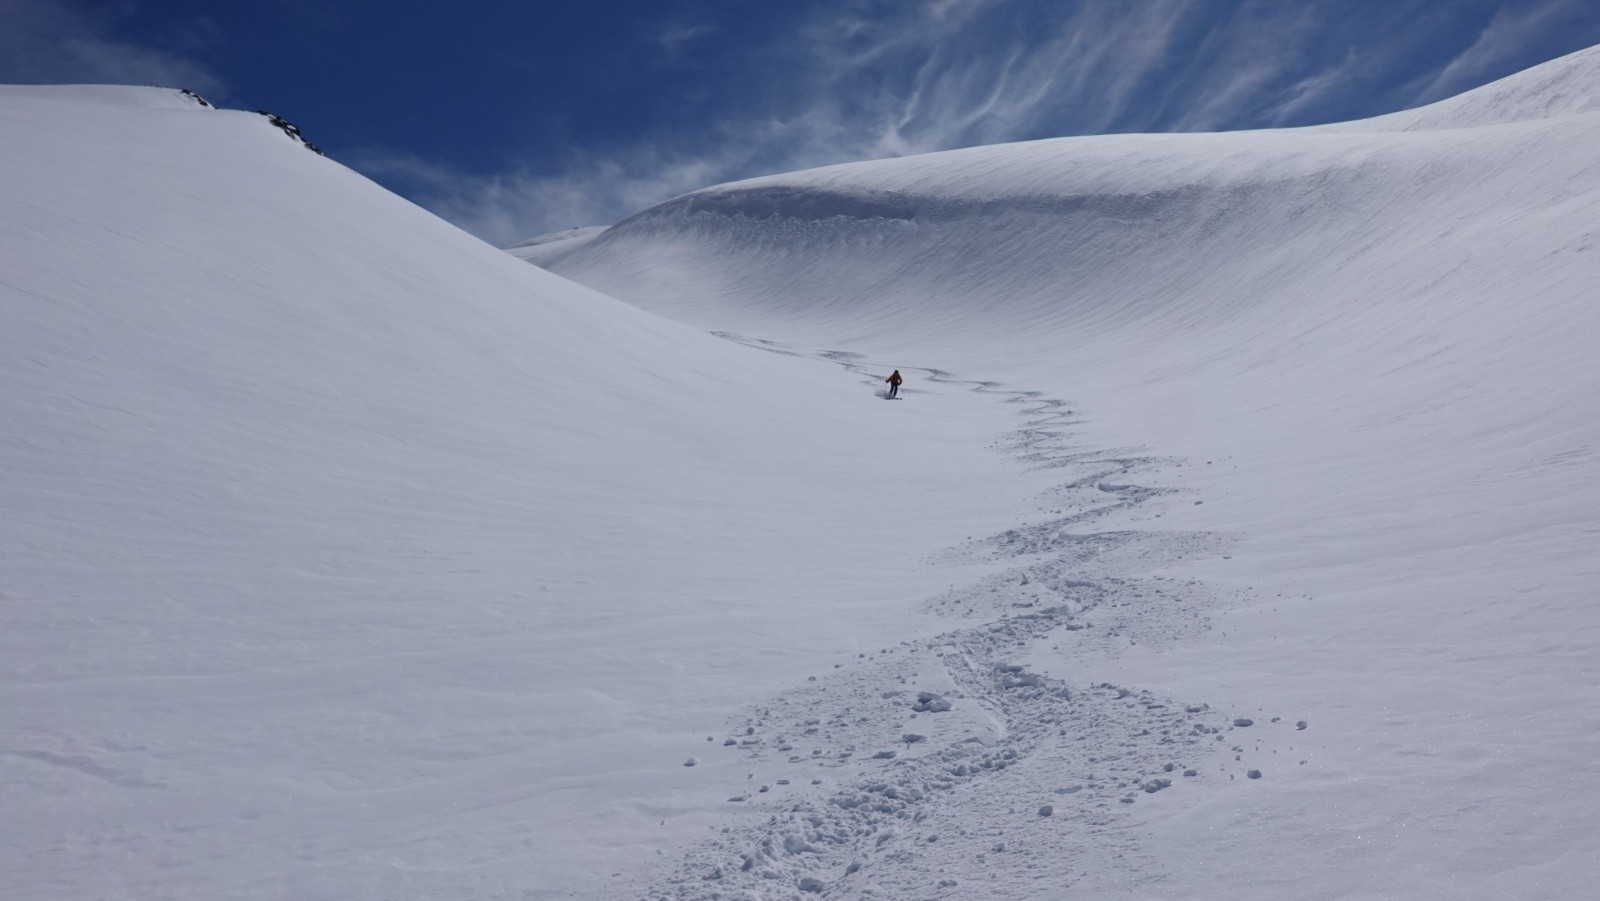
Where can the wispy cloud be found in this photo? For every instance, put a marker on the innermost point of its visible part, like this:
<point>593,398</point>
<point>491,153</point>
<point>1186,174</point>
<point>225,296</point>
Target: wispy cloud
<point>677,39</point>
<point>507,207</point>
<point>1497,47</point>
<point>867,79</point>
<point>61,41</point>
<point>860,79</point>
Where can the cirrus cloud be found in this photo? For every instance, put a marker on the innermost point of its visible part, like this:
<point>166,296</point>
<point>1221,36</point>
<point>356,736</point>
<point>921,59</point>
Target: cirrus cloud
<point>864,79</point>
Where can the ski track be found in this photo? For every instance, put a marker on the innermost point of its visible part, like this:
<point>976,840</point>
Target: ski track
<point>915,769</point>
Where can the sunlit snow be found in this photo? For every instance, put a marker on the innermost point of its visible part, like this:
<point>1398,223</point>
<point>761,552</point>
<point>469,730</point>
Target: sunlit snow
<point>1235,535</point>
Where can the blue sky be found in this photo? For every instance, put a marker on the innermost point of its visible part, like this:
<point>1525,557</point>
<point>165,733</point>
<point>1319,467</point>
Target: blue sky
<point>516,118</point>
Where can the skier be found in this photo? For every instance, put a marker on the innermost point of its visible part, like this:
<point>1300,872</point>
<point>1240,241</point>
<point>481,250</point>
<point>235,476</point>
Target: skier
<point>894,381</point>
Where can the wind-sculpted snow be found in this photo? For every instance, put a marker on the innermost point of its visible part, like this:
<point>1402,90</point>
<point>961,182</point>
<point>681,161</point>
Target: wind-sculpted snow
<point>785,204</point>
<point>1564,87</point>
<point>1127,238</point>
<point>538,250</point>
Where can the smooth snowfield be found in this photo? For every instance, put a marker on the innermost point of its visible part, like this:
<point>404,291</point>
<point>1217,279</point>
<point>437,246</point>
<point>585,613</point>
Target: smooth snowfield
<point>1364,353</point>
<point>343,555</point>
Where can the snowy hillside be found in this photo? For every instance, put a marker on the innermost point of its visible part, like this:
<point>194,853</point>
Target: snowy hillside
<point>1235,535</point>
<point>343,555</point>
<point>1350,367</point>
<point>536,249</point>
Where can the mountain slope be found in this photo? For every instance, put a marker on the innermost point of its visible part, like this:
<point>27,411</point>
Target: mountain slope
<point>1370,348</point>
<point>345,556</point>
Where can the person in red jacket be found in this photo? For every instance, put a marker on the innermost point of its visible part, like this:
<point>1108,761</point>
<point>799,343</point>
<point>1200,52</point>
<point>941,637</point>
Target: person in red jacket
<point>894,381</point>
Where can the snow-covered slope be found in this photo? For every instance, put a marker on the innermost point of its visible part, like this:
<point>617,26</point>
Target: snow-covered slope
<point>536,250</point>
<point>342,555</point>
<point>1366,351</point>
<point>1562,87</point>
<point>1235,536</point>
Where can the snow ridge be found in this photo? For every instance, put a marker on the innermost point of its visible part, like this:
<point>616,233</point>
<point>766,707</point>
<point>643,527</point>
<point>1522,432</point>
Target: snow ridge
<point>1096,235</point>
<point>1568,86</point>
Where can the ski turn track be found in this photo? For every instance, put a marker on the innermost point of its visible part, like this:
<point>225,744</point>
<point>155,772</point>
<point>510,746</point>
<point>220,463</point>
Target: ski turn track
<point>947,767</point>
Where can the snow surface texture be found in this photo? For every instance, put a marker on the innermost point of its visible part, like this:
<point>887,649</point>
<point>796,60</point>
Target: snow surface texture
<point>536,250</point>
<point>1234,536</point>
<point>1361,353</point>
<point>346,556</point>
<point>868,807</point>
